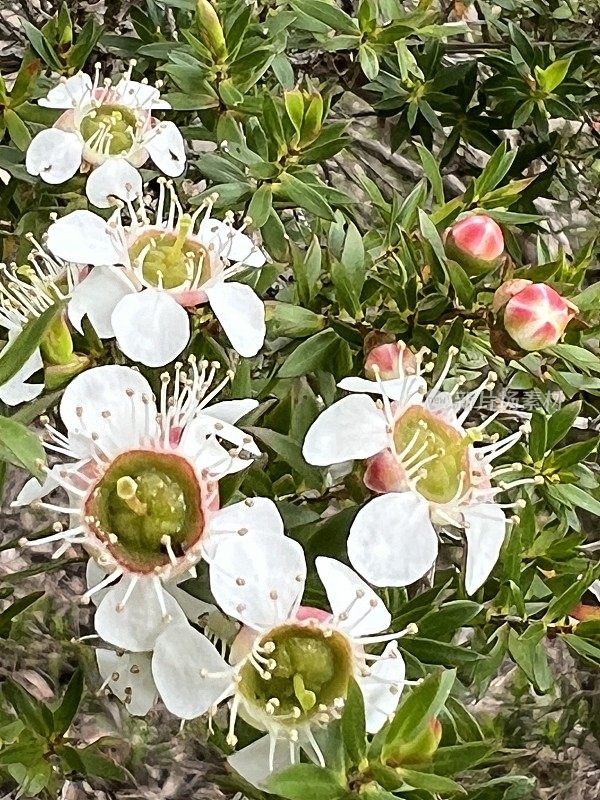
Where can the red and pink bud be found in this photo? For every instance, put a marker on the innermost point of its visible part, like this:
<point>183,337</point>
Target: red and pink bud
<point>535,315</point>
<point>392,360</point>
<point>476,243</point>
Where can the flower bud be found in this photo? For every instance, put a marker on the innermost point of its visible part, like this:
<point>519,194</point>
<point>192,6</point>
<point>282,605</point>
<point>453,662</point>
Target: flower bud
<point>57,344</point>
<point>476,243</point>
<point>535,315</point>
<point>393,360</point>
<point>210,28</point>
<point>419,750</point>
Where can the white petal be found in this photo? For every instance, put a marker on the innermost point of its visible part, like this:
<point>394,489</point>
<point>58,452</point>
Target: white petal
<point>199,443</point>
<point>363,611</point>
<point>241,313</point>
<point>230,243</point>
<point>381,690</point>
<point>96,297</point>
<point>257,515</point>
<point>139,95</point>
<point>405,389</point>
<point>252,762</point>
<point>115,178</point>
<point>54,155</point>
<point>83,238</point>
<point>136,626</point>
<point>230,410</point>
<point>151,327</point>
<point>68,93</point>
<point>352,428</point>
<point>123,393</point>
<point>192,607</point>
<point>17,390</point>
<point>392,541</point>
<point>180,655</point>
<point>94,574</point>
<point>258,579</point>
<point>132,671</point>
<point>34,490</point>
<point>166,148</point>
<point>485,535</point>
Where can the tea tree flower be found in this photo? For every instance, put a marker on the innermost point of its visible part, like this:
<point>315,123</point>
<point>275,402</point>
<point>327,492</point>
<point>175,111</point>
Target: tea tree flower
<point>291,665</point>
<point>108,129</point>
<point>172,261</point>
<point>427,468</point>
<point>143,488</point>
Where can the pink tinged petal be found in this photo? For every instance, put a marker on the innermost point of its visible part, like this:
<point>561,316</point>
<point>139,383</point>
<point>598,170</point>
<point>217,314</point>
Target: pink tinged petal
<point>407,389</point>
<point>255,516</point>
<point>137,624</point>
<point>54,155</point>
<point>258,580</point>
<point>383,687</point>
<point>241,314</point>
<point>151,327</point>
<point>113,180</point>
<point>507,290</point>
<point>352,428</point>
<point>231,410</point>
<point>131,679</point>
<point>68,93</point>
<point>190,675</point>
<point>384,474</point>
<point>96,297</point>
<point>166,148</point>
<point>83,237</point>
<point>359,609</point>
<point>392,541</point>
<point>259,760</point>
<point>109,401</point>
<point>485,535</point>
<point>139,95</point>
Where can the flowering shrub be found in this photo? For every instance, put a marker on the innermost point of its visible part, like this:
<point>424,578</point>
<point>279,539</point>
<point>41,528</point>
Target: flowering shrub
<point>299,376</point>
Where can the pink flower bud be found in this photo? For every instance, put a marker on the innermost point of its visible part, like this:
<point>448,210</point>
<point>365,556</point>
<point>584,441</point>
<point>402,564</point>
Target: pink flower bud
<point>476,243</point>
<point>536,316</point>
<point>506,291</point>
<point>393,360</point>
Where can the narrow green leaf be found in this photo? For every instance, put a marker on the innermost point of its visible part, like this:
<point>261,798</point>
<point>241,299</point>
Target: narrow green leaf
<point>15,354</point>
<point>21,447</point>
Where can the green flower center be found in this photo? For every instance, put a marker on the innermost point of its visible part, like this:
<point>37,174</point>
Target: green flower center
<point>171,259</point>
<point>420,430</point>
<point>147,508</point>
<point>304,671</point>
<point>109,129</point>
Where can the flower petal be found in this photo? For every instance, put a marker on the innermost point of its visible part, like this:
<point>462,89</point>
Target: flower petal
<point>193,608</point>
<point>359,609</point>
<point>485,535</point>
<point>114,179</point>
<point>409,390</point>
<point>83,238</point>
<point>241,313</point>
<point>163,334</point>
<point>113,402</point>
<point>136,625</point>
<point>130,679</point>
<point>181,655</point>
<point>54,155</point>
<point>256,515</point>
<point>166,148</point>
<point>96,297</point>
<point>230,243</point>
<point>231,410</point>
<point>258,579</point>
<point>17,390</point>
<point>261,759</point>
<point>352,428</point>
<point>383,687</point>
<point>139,95</point>
<point>392,541</point>
<point>69,93</point>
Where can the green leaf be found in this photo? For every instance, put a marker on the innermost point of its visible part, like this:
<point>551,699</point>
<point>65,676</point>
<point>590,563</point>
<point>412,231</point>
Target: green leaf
<point>574,496</point>
<point>21,447</point>
<point>331,15</point>
<point>436,784</point>
<point>311,355</point>
<point>34,713</point>
<point>285,319</point>
<point>554,75</point>
<point>456,758</point>
<point>288,450</point>
<point>305,781</point>
<point>15,354</point>
<point>300,193</point>
<point>561,422</point>
<point>41,45</point>
<point>13,610</point>
<point>368,61</point>
<point>432,171</point>
<point>65,713</point>
<point>100,766</point>
<point>353,725</point>
<point>17,129</point>
<point>260,205</point>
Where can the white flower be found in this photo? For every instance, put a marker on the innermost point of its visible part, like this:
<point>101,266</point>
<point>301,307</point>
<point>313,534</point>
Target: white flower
<point>171,261</point>
<point>109,129</point>
<point>25,293</point>
<point>144,489</point>
<point>425,466</point>
<point>290,665</point>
